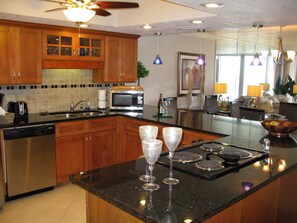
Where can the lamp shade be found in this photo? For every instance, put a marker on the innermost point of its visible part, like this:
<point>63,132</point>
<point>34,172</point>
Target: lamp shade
<point>220,88</point>
<point>158,60</point>
<point>79,14</point>
<point>266,87</point>
<point>295,89</point>
<point>254,91</point>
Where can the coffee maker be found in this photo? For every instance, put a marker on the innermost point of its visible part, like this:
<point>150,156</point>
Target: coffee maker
<point>19,108</point>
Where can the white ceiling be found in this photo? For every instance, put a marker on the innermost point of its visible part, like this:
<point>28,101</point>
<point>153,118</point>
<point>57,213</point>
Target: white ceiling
<point>233,21</point>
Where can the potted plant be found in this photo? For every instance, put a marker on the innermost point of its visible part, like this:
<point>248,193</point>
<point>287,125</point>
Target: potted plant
<point>285,87</point>
<point>141,71</point>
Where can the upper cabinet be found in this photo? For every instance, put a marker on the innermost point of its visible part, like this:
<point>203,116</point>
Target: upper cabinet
<point>120,63</point>
<point>72,46</point>
<point>72,50</point>
<point>20,55</point>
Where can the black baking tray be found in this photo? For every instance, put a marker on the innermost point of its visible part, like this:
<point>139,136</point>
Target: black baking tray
<point>190,167</point>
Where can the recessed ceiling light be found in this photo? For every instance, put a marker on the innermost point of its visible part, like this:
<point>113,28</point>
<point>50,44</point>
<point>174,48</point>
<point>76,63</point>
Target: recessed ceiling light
<point>212,5</point>
<point>83,25</point>
<point>147,26</point>
<point>197,21</point>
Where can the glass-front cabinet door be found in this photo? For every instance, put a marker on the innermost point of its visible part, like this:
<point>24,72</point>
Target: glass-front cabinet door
<point>90,47</point>
<point>72,46</point>
<point>58,45</point>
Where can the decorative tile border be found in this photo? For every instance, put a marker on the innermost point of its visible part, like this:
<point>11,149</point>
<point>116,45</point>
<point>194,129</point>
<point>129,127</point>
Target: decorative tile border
<point>45,86</point>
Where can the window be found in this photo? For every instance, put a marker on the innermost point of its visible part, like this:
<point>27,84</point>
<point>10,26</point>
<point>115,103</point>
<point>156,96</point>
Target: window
<point>236,71</point>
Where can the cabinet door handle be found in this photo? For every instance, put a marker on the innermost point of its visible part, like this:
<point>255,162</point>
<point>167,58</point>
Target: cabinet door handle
<point>14,75</point>
<point>19,76</point>
<point>74,52</point>
<point>90,138</point>
<point>87,138</point>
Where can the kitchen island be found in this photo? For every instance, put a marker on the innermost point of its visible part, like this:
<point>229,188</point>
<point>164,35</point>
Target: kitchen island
<point>261,192</point>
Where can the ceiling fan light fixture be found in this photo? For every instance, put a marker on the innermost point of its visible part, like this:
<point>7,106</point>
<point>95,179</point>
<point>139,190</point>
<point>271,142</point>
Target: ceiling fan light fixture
<point>79,14</point>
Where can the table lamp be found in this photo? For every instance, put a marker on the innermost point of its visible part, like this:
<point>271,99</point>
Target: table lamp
<point>254,92</point>
<point>266,88</point>
<point>295,92</point>
<point>221,88</point>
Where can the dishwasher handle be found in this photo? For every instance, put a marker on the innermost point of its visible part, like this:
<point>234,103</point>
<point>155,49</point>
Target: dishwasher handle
<point>28,131</point>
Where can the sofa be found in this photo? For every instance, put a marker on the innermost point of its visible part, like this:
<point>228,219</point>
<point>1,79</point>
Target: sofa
<point>269,103</point>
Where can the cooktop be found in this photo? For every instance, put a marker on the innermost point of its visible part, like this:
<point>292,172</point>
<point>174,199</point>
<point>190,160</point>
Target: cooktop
<point>212,159</point>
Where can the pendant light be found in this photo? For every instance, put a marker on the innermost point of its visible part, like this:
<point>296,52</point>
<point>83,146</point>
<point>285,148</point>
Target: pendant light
<point>256,60</point>
<point>158,60</point>
<point>279,52</point>
<point>200,60</point>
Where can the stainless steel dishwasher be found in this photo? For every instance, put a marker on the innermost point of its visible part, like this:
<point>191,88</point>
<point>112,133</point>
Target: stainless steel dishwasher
<point>30,159</point>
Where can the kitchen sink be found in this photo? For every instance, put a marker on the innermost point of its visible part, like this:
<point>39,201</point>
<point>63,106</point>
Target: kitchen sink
<point>74,114</point>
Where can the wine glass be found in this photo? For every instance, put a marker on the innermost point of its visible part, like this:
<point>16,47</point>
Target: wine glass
<point>172,137</point>
<point>151,150</point>
<point>169,215</point>
<point>147,132</point>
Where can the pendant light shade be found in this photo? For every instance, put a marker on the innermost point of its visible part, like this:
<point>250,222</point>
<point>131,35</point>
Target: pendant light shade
<point>158,60</point>
<point>200,60</point>
<point>256,60</point>
<point>79,14</point>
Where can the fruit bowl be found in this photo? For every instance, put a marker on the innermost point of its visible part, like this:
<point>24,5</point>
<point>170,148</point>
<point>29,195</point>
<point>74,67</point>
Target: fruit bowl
<point>279,128</point>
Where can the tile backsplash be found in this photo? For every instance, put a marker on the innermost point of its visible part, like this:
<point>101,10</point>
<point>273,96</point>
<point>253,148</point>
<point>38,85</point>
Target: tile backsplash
<point>59,87</point>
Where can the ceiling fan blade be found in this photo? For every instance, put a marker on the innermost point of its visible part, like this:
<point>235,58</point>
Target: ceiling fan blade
<point>52,1</point>
<point>102,12</point>
<point>56,9</point>
<point>117,5</point>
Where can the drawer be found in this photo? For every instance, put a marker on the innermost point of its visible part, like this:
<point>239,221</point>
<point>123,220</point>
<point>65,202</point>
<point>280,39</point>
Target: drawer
<point>70,128</point>
<point>102,124</point>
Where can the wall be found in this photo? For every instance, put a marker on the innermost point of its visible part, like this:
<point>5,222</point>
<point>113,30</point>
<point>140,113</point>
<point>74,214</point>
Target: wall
<point>61,86</point>
<point>163,78</point>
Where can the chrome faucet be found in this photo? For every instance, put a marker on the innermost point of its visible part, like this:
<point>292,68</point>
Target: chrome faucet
<point>73,106</point>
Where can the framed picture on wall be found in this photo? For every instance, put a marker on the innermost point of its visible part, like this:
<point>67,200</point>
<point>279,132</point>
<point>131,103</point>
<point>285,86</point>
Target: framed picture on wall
<point>187,66</point>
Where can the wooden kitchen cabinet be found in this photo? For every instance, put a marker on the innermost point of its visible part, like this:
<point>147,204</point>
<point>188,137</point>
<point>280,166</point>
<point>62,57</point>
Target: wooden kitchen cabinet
<point>20,55</point>
<point>72,46</point>
<point>120,63</point>
<point>131,148</point>
<point>100,148</point>
<point>69,50</point>
<point>85,145</point>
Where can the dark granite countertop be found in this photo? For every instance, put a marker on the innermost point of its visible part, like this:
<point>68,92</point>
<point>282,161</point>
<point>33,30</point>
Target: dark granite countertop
<point>193,198</point>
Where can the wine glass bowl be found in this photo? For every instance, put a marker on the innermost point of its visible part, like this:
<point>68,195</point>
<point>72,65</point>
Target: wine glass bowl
<point>147,132</point>
<point>172,137</point>
<point>151,150</point>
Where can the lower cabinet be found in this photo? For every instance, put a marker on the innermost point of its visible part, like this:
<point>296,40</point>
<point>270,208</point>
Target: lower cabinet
<point>84,145</point>
<point>130,148</point>
<point>274,203</point>
<point>95,143</point>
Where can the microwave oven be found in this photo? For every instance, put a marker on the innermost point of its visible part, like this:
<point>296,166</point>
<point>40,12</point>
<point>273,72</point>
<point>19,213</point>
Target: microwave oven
<point>126,98</point>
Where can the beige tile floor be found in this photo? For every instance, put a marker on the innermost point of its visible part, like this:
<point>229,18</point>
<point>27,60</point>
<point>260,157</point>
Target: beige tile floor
<point>64,204</point>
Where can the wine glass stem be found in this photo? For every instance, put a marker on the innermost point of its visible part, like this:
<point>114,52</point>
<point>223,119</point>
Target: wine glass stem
<point>151,167</point>
<point>147,172</point>
<point>171,154</point>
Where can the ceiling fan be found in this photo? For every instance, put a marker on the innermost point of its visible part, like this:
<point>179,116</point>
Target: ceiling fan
<point>85,10</point>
